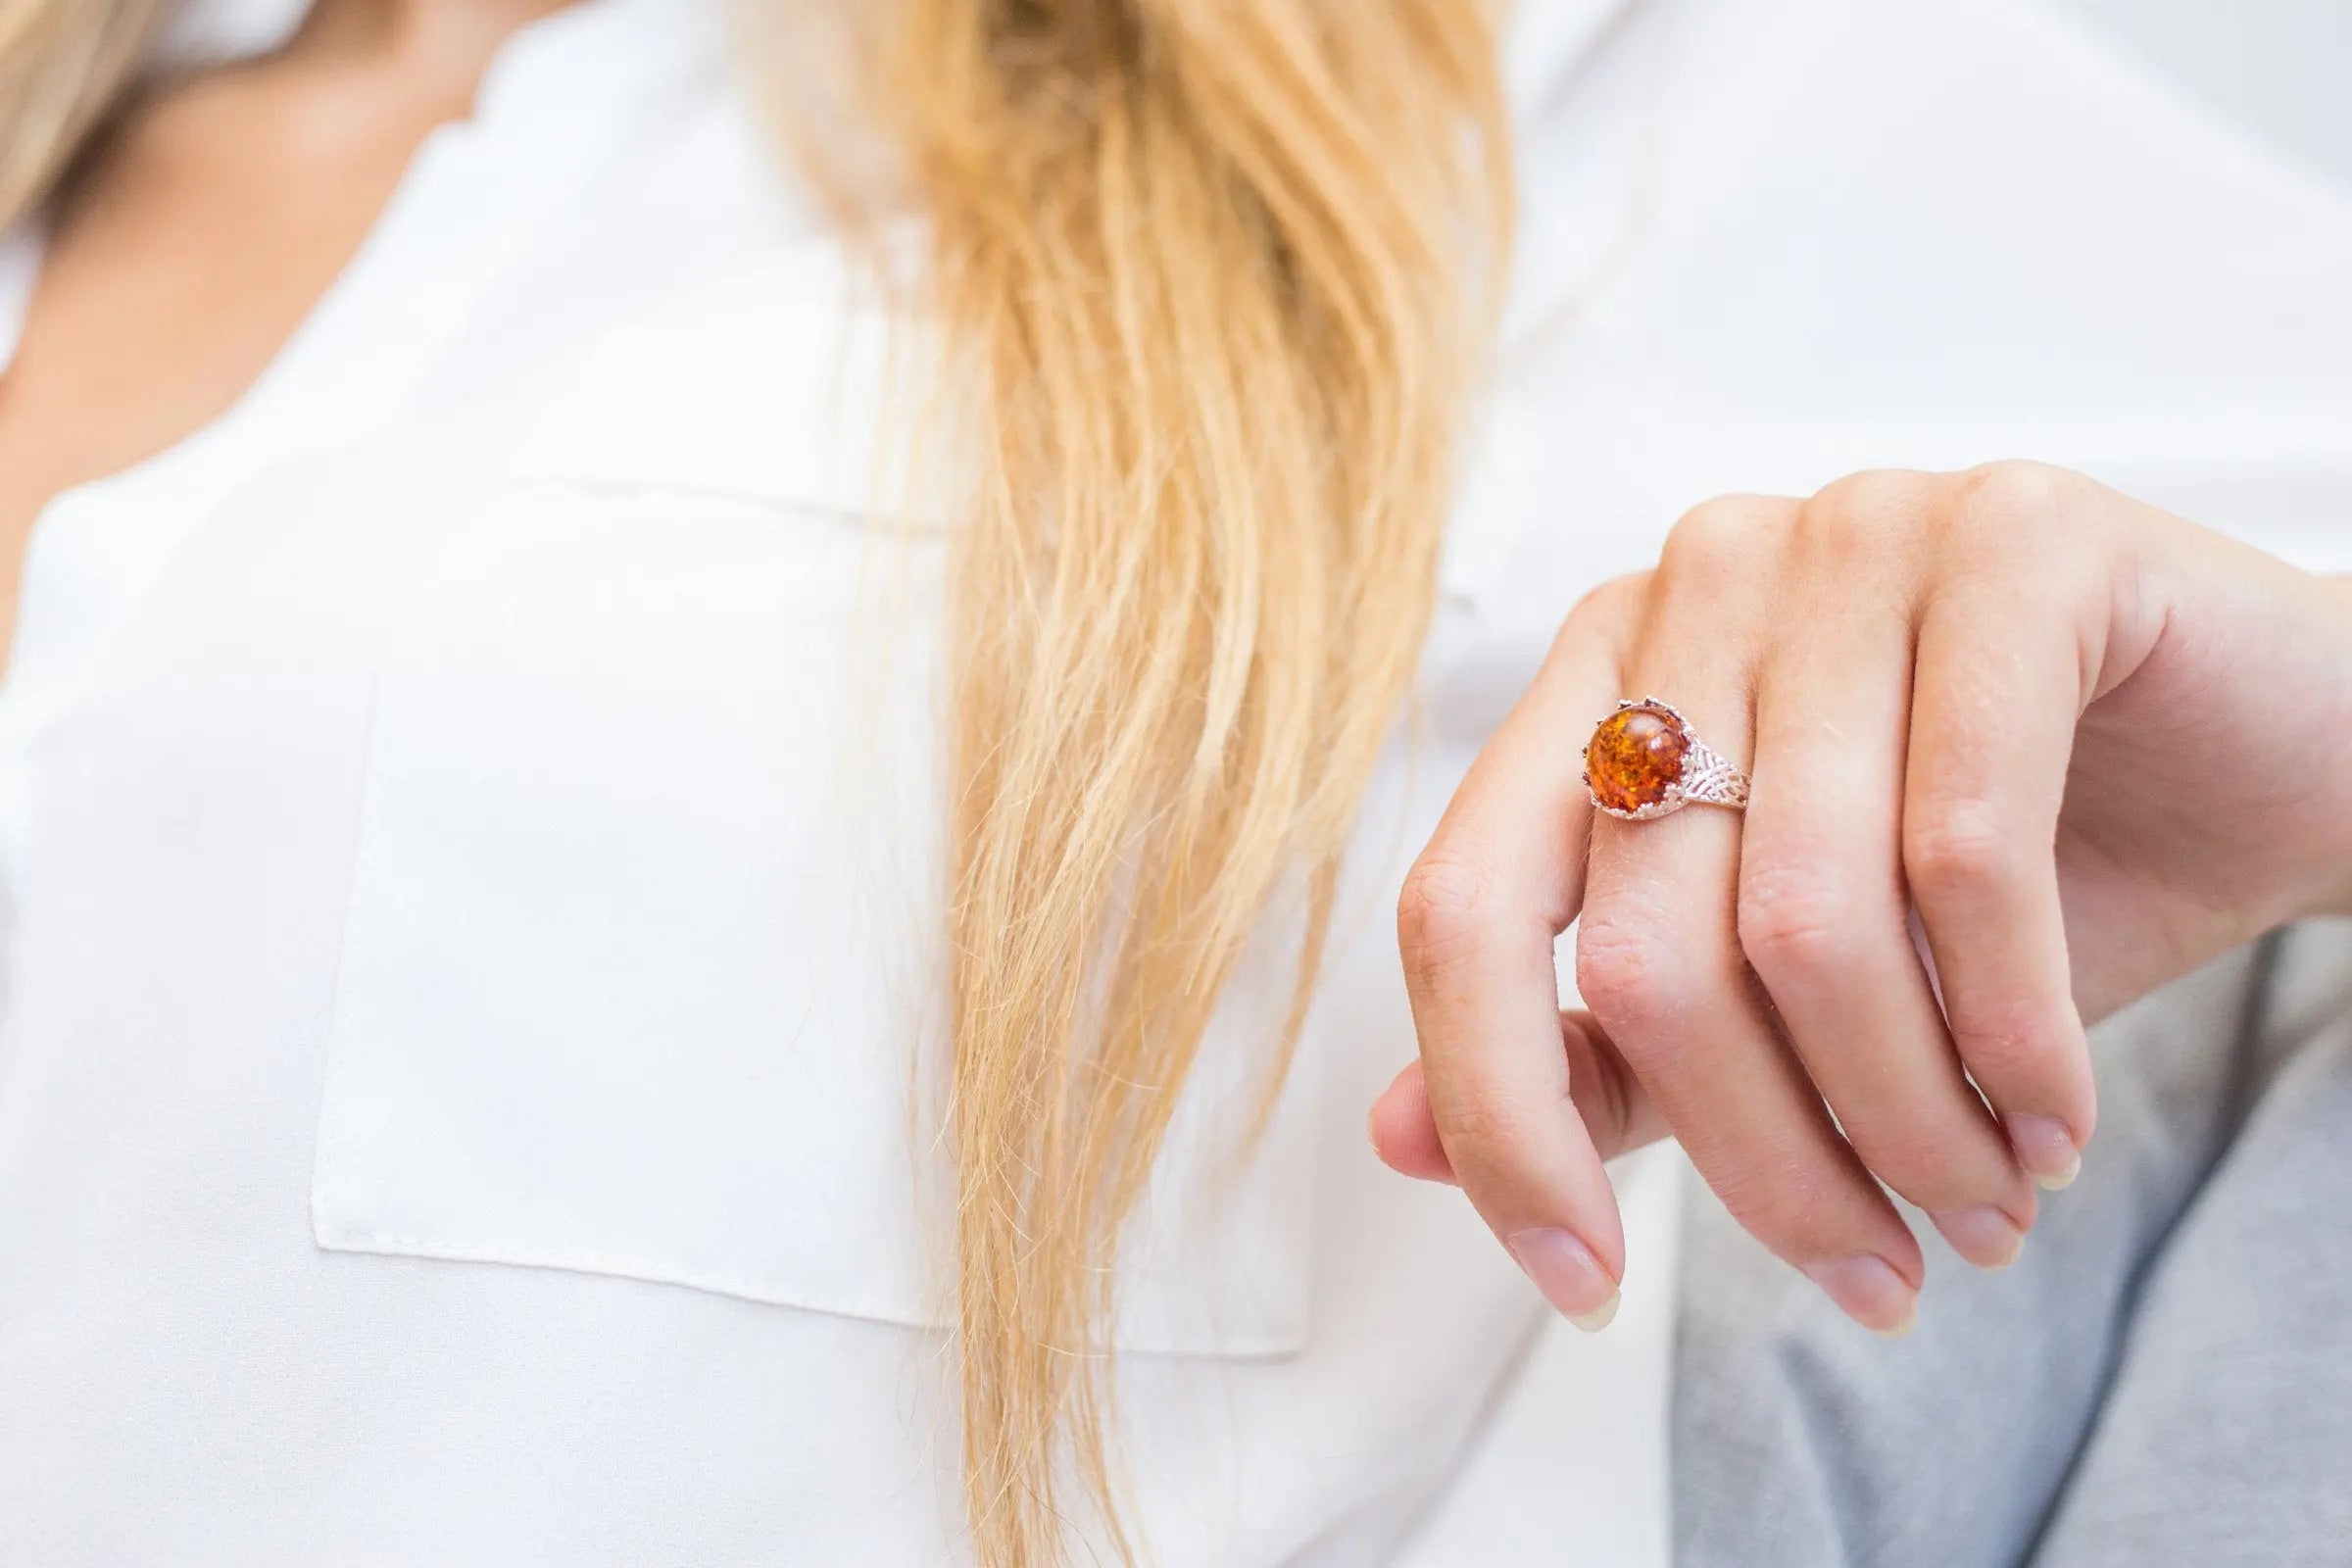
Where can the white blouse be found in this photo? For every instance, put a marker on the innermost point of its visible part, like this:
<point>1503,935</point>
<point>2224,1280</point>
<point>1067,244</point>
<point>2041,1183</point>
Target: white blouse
<point>469,983</point>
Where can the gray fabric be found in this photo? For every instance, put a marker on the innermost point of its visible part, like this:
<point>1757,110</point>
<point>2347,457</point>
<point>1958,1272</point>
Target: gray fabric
<point>2164,1377</point>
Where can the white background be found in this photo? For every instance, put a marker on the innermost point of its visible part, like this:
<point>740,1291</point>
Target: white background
<point>2283,68</point>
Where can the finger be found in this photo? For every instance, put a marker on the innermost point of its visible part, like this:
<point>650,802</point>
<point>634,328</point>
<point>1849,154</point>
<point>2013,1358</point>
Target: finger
<point>1618,1117</point>
<point>1823,918</point>
<point>1659,963</point>
<point>1403,1132</point>
<point>1476,923</point>
<point>1997,691</point>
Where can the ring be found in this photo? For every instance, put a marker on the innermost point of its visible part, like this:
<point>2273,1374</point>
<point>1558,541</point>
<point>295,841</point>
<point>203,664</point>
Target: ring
<point>1644,761</point>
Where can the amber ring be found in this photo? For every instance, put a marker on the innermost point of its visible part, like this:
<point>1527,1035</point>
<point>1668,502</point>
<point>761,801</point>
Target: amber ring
<point>1644,761</point>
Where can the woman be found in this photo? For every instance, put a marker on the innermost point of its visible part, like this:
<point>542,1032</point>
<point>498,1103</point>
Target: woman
<point>665,802</point>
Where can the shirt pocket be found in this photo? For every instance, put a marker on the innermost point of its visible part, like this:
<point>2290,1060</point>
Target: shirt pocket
<point>641,964</point>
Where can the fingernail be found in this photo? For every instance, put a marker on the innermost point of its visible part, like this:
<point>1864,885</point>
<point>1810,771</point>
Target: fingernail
<point>1984,1234</point>
<point>1869,1291</point>
<point>1569,1277</point>
<point>2046,1149</point>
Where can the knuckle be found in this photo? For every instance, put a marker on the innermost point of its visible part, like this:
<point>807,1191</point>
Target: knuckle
<point>2009,1044</point>
<point>1719,540</point>
<point>1604,615</point>
<point>1625,973</point>
<point>1613,603</point>
<point>1918,1155</point>
<point>1442,910</point>
<point>1872,506</point>
<point>1800,920</point>
<point>1958,848</point>
<point>1784,1200</point>
<point>1481,1135</point>
<point>2008,493</point>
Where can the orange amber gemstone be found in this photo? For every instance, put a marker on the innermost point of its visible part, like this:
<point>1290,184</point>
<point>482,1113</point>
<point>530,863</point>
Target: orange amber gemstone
<point>1634,758</point>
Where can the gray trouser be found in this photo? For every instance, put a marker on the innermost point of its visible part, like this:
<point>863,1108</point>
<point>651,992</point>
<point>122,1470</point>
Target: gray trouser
<point>2164,1377</point>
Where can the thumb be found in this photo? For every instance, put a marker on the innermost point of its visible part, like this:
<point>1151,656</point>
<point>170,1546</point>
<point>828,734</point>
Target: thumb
<point>1618,1117</point>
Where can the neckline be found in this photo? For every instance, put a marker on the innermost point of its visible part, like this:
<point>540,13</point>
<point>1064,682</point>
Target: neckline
<point>560,96</point>
<point>588,51</point>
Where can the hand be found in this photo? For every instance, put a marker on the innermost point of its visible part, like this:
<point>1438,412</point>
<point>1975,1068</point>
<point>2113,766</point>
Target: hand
<point>2092,744</point>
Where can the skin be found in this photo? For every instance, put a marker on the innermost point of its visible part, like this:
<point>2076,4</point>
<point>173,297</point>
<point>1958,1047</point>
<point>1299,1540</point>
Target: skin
<point>2093,744</point>
<point>207,224</point>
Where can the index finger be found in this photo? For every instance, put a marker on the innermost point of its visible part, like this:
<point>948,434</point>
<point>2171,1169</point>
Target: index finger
<point>1477,922</point>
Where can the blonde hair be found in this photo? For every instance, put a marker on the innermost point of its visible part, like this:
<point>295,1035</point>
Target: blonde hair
<point>1216,276</point>
<point>63,63</point>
